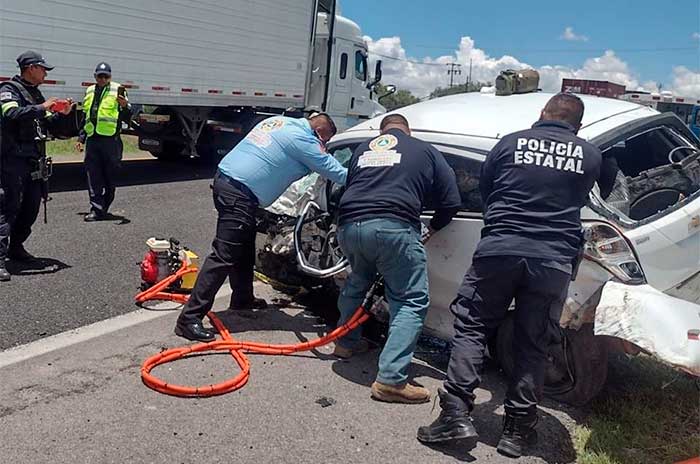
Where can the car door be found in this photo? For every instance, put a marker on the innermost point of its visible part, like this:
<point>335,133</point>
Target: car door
<point>360,103</point>
<point>450,250</point>
<point>342,75</point>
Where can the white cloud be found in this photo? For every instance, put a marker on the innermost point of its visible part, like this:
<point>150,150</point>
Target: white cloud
<point>421,79</point>
<point>569,34</point>
<point>686,83</point>
<point>695,36</point>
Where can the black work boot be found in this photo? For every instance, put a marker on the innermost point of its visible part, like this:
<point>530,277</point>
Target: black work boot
<point>18,253</point>
<point>194,331</point>
<point>453,423</point>
<point>255,303</point>
<point>518,433</point>
<point>4,275</point>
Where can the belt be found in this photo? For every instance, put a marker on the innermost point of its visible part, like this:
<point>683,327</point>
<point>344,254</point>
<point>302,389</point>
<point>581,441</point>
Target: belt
<point>238,186</point>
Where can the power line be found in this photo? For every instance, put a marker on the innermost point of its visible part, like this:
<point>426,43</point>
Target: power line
<point>455,68</point>
<point>405,60</point>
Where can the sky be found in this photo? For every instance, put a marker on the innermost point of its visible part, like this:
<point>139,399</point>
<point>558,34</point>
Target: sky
<point>642,44</point>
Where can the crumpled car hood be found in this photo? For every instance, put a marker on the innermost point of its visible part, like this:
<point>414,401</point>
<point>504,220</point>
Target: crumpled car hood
<point>663,326</point>
<point>293,200</point>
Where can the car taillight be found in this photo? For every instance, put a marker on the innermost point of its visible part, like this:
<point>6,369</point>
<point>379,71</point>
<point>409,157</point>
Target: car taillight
<point>609,248</point>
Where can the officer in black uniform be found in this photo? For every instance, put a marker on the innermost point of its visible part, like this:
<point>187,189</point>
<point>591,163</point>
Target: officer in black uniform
<point>533,185</point>
<point>391,179</point>
<point>26,118</point>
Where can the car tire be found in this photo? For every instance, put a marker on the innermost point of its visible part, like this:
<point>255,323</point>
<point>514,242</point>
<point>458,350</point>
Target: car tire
<point>577,365</point>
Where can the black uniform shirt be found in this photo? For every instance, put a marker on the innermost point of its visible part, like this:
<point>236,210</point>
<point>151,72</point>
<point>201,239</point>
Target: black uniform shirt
<point>393,176</point>
<point>533,185</point>
<point>18,120</point>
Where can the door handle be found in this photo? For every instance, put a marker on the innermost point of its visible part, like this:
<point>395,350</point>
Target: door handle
<point>352,103</point>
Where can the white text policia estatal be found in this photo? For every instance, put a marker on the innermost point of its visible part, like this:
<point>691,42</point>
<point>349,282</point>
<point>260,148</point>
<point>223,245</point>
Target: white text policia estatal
<point>549,154</point>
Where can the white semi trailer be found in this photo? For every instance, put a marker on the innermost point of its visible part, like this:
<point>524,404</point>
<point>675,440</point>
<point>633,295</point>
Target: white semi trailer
<point>200,73</point>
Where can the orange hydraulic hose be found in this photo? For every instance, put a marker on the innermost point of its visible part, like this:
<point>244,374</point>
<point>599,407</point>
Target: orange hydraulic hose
<point>227,343</point>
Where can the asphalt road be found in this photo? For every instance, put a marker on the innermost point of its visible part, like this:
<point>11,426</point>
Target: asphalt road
<point>89,271</point>
<point>85,402</point>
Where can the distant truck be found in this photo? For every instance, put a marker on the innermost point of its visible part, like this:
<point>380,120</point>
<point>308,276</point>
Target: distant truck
<point>687,109</point>
<point>200,74</point>
<point>592,87</point>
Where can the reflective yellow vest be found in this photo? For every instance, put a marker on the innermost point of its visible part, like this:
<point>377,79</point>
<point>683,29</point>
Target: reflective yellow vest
<point>107,113</point>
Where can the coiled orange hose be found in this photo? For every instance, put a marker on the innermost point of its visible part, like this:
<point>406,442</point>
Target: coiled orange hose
<point>238,349</point>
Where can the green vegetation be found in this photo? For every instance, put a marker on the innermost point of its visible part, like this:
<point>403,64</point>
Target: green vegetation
<point>648,413</point>
<point>67,147</point>
<point>396,100</point>
<point>472,87</point>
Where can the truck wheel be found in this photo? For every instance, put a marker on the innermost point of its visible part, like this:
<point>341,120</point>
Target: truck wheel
<point>171,151</point>
<point>577,367</point>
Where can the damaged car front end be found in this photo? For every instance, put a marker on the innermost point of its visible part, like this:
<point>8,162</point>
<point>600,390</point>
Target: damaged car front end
<point>638,286</point>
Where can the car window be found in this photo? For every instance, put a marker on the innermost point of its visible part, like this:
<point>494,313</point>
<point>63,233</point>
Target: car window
<point>344,154</point>
<point>465,164</point>
<point>343,66</point>
<point>658,169</point>
<point>360,66</point>
<point>467,170</point>
<point>648,149</point>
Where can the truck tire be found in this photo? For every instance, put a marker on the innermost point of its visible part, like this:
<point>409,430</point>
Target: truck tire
<point>171,151</point>
<point>577,367</point>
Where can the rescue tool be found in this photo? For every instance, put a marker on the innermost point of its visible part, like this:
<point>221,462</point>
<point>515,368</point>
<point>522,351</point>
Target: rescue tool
<point>174,285</point>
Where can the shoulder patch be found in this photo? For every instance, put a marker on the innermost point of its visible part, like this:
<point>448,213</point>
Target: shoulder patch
<point>271,125</point>
<point>6,96</point>
<point>383,143</point>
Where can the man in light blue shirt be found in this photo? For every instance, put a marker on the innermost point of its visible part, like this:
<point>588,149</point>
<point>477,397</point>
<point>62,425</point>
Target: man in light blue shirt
<point>276,153</point>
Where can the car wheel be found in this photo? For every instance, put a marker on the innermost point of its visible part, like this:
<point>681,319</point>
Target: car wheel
<point>577,365</point>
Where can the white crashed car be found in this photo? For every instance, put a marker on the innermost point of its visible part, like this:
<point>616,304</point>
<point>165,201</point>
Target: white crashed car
<point>639,283</point>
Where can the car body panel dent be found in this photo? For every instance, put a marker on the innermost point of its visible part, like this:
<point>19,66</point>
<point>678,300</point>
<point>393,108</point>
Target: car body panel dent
<point>659,324</point>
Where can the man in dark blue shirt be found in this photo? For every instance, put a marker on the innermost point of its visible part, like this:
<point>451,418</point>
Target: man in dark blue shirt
<point>390,179</point>
<point>533,185</point>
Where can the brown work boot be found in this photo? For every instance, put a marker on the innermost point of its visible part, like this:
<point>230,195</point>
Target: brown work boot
<point>405,393</point>
<point>346,353</point>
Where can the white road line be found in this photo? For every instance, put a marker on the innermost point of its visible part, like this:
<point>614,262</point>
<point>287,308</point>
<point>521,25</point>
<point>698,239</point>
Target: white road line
<point>81,334</point>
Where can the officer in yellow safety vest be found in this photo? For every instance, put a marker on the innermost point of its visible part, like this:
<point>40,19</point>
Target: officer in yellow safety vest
<point>105,107</point>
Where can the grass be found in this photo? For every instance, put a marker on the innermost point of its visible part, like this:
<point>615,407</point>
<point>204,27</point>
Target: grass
<point>67,147</point>
<point>648,413</point>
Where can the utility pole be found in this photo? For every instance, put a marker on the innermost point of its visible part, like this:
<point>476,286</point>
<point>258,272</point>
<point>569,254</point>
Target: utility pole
<point>455,68</point>
<point>469,82</point>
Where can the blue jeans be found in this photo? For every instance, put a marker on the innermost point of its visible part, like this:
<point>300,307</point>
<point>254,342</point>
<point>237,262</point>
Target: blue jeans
<point>393,249</point>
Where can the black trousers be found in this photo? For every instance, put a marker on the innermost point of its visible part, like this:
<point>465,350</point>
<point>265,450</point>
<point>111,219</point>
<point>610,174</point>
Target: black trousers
<point>539,288</point>
<point>103,156</point>
<point>20,200</point>
<point>233,251</point>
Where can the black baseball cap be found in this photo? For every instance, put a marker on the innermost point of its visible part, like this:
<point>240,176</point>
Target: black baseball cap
<point>31,57</point>
<point>103,68</point>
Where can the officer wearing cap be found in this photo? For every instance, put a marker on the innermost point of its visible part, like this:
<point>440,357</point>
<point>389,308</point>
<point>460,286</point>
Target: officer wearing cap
<point>25,119</point>
<point>105,107</point>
